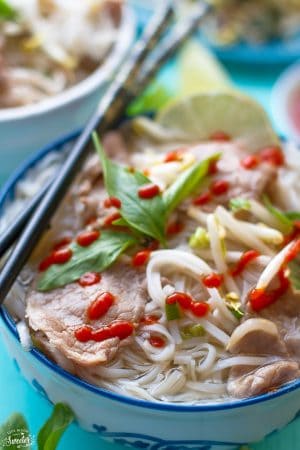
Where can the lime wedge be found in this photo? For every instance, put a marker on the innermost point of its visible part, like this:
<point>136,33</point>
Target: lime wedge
<point>199,116</point>
<point>199,71</point>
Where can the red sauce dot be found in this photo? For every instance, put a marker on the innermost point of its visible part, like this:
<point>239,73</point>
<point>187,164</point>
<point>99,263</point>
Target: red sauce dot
<point>102,334</point>
<point>84,334</point>
<point>149,320</point>
<point>173,156</point>
<point>157,341</point>
<point>148,191</point>
<point>293,252</point>
<point>62,256</point>
<point>244,260</point>
<point>219,187</point>
<point>213,167</point>
<point>89,278</point>
<point>121,330</point>
<point>184,300</point>
<point>220,136</point>
<point>203,199</point>
<point>99,307</point>
<point>213,280</point>
<point>108,221</point>
<point>46,263</point>
<point>140,258</point>
<point>87,238</point>
<point>62,243</point>
<point>175,228</point>
<point>112,202</point>
<point>273,155</point>
<point>250,162</point>
<point>199,309</point>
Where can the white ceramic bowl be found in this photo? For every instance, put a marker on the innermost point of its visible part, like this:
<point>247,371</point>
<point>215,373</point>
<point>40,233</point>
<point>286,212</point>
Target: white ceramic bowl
<point>142,424</point>
<point>280,101</point>
<point>28,128</point>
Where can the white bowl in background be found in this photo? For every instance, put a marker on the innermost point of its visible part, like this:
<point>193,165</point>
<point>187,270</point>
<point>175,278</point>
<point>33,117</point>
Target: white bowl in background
<point>27,128</point>
<point>284,93</point>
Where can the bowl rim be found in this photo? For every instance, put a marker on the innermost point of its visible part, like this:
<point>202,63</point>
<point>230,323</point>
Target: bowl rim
<point>125,37</point>
<point>7,193</point>
<point>281,91</point>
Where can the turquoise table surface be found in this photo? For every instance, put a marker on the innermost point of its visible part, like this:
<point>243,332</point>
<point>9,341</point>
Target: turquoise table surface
<point>16,395</point>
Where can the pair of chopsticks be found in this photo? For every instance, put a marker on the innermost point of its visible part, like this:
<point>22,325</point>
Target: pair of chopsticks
<point>133,77</point>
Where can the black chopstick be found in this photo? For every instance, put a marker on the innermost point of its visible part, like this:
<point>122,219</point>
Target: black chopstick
<point>111,106</point>
<point>141,50</point>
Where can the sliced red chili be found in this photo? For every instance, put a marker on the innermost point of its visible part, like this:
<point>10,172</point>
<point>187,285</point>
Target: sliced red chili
<point>89,279</point>
<point>213,167</point>
<point>87,238</point>
<point>293,252</point>
<point>148,191</point>
<point>100,306</point>
<point>46,263</point>
<point>102,334</point>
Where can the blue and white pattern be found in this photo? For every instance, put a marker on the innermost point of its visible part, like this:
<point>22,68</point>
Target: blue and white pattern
<point>145,442</point>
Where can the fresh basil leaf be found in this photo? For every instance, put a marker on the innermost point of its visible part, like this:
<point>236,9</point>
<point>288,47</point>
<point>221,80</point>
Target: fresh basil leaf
<point>147,216</point>
<point>186,184</point>
<point>15,428</point>
<point>7,12</point>
<point>94,258</point>
<point>238,203</point>
<point>284,221</point>
<point>293,215</point>
<point>50,434</point>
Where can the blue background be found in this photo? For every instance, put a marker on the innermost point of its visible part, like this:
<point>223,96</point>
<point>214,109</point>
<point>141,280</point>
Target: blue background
<point>16,395</point>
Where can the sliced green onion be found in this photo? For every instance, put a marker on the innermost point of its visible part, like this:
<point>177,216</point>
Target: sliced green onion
<point>200,239</point>
<point>234,305</point>
<point>293,215</point>
<point>285,222</point>
<point>238,203</point>
<point>172,311</point>
<point>192,331</point>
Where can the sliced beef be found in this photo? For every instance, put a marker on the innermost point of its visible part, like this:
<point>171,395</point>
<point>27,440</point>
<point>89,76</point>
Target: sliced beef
<point>264,379</point>
<point>58,313</point>
<point>257,337</point>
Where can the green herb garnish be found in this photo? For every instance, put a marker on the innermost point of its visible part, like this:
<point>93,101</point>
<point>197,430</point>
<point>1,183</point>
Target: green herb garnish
<point>50,434</point>
<point>147,216</point>
<point>200,239</point>
<point>7,12</point>
<point>286,224</point>
<point>172,311</point>
<point>238,203</point>
<point>96,257</point>
<point>187,183</point>
<point>192,331</point>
